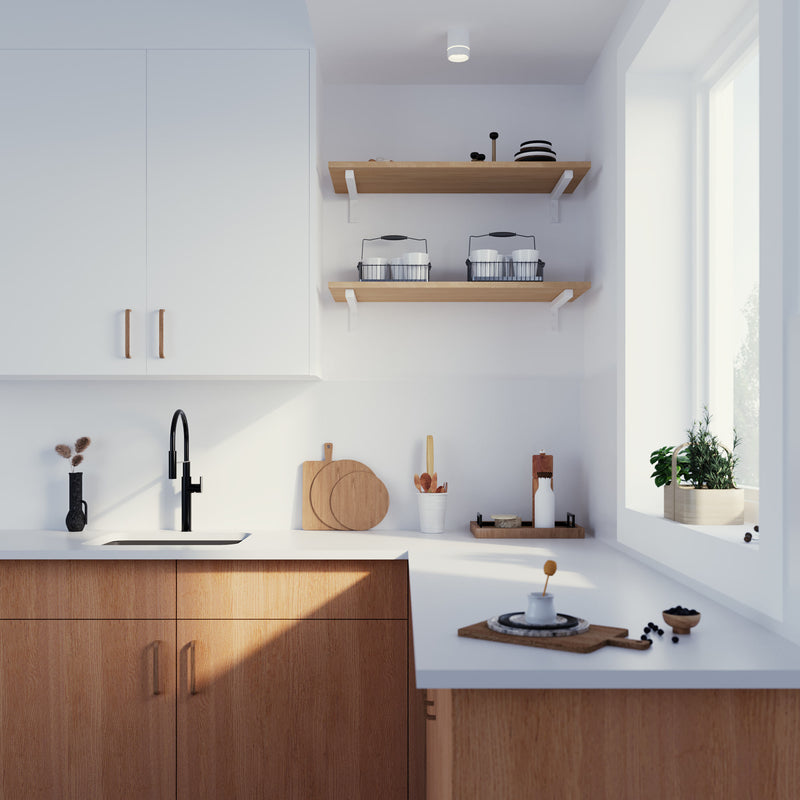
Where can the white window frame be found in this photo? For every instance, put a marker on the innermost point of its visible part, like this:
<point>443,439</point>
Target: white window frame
<point>720,66</point>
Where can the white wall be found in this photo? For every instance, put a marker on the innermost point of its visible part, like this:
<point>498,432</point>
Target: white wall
<point>491,382</point>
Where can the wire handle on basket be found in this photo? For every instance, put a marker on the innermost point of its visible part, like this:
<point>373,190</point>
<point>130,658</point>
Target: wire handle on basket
<point>500,234</point>
<point>392,237</point>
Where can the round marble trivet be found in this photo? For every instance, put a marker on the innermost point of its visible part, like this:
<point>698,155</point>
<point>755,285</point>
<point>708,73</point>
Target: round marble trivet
<point>495,625</point>
<point>518,620</point>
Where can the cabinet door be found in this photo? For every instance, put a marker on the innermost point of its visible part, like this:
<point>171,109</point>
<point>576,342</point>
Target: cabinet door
<point>292,709</point>
<point>79,709</point>
<point>228,212</point>
<point>72,211</point>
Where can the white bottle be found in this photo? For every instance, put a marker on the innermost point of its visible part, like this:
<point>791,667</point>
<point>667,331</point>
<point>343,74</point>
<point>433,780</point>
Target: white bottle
<point>544,504</point>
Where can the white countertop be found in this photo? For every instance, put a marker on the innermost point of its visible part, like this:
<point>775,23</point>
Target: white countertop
<point>457,580</point>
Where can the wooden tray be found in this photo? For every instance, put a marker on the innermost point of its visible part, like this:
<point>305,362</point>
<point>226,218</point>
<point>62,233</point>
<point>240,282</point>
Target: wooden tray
<point>596,637</point>
<point>527,531</point>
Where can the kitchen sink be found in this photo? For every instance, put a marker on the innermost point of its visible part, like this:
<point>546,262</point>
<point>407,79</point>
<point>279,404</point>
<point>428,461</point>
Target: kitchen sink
<point>167,538</point>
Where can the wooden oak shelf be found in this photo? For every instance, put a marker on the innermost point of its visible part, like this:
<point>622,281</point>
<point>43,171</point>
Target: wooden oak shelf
<point>456,177</point>
<point>456,291</point>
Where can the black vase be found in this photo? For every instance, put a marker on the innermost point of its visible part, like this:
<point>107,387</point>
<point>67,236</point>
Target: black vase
<point>78,514</point>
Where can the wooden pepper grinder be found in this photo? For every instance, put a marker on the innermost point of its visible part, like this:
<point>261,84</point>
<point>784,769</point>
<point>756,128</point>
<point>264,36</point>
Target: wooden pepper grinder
<point>542,469</point>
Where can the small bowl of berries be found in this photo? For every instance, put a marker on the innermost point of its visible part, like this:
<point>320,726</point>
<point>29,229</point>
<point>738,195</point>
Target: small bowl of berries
<point>681,619</point>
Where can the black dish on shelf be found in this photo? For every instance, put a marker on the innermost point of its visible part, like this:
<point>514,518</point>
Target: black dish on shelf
<point>542,157</point>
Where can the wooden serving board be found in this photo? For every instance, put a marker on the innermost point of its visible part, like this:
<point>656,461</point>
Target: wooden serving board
<point>359,501</point>
<point>527,531</point>
<point>322,486</point>
<point>593,639</point>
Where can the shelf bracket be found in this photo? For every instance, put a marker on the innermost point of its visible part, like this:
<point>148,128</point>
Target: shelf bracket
<point>558,190</point>
<point>352,195</point>
<point>555,305</point>
<point>352,309</point>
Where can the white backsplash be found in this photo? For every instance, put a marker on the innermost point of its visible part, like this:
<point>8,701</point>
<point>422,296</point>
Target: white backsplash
<point>248,441</point>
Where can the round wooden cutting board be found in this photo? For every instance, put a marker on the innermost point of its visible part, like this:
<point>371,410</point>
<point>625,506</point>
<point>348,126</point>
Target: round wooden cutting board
<point>359,501</point>
<point>323,483</point>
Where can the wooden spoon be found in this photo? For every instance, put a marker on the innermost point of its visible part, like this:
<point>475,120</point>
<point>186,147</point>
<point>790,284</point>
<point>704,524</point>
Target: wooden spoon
<point>429,454</point>
<point>549,569</point>
<point>425,481</point>
<point>434,483</point>
<point>417,483</point>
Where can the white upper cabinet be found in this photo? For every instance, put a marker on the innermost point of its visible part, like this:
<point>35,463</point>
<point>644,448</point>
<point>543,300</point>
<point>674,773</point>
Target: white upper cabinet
<point>174,183</point>
<point>72,212</point>
<point>228,161</point>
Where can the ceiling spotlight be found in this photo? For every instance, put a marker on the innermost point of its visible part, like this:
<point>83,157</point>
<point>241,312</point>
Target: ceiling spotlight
<point>458,45</point>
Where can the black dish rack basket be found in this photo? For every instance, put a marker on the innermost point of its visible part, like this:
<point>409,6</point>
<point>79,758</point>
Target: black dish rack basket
<point>500,270</point>
<point>393,272</point>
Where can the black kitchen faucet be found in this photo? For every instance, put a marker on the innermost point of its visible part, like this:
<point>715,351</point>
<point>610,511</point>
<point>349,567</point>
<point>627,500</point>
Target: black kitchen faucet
<point>187,487</point>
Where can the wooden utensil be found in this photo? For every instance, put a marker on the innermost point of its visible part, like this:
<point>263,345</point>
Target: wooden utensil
<point>594,638</point>
<point>549,569</point>
<point>322,485</point>
<point>429,455</point>
<point>425,481</point>
<point>359,501</point>
<point>311,522</point>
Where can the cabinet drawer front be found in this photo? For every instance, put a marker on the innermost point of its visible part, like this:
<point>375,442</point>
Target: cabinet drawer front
<point>292,590</point>
<point>87,589</point>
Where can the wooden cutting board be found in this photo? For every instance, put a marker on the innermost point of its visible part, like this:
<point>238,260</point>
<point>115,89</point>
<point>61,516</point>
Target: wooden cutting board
<point>359,501</point>
<point>311,522</point>
<point>322,486</point>
<point>594,638</point>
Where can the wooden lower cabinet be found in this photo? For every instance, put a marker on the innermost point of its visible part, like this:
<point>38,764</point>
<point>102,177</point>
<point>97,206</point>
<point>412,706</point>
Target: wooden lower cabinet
<point>626,744</point>
<point>219,680</point>
<point>292,709</point>
<point>87,709</point>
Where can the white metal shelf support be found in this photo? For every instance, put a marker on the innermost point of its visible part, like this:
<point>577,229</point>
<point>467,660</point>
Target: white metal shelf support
<point>555,305</point>
<point>352,309</point>
<point>352,195</point>
<point>555,195</point>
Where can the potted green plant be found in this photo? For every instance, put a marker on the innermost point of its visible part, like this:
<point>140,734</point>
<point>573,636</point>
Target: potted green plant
<point>661,461</point>
<point>700,488</point>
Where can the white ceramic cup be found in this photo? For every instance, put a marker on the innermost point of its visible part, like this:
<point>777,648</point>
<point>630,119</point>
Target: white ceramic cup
<point>524,255</point>
<point>482,255</point>
<point>374,272</point>
<point>374,261</point>
<point>432,509</point>
<point>541,609</point>
<point>415,258</point>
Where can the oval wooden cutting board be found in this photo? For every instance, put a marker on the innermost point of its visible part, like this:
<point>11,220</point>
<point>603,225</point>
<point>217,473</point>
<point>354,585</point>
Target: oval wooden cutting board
<point>323,484</point>
<point>359,501</point>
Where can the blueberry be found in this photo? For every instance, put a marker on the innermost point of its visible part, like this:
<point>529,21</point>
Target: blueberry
<point>755,528</point>
<point>652,625</point>
<point>647,629</point>
<point>644,638</point>
<point>675,639</point>
<point>660,631</point>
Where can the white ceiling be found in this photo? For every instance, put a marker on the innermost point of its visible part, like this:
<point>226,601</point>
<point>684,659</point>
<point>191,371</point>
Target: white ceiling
<point>512,41</point>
